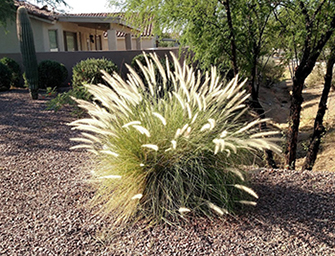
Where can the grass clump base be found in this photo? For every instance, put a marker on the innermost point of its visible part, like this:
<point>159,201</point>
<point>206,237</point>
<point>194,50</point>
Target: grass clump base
<point>170,148</point>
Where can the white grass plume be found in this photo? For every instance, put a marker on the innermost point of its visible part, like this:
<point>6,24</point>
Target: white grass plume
<point>246,189</point>
<point>252,203</point>
<point>131,124</point>
<point>151,146</point>
<point>183,210</point>
<point>108,152</point>
<point>142,130</point>
<point>160,117</point>
<point>137,196</point>
<point>217,209</point>
<point>110,177</point>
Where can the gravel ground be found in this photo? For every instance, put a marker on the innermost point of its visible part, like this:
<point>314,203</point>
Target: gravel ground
<point>42,193</point>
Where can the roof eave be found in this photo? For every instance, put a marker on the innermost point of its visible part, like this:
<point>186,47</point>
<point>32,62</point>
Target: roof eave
<point>46,20</point>
<point>90,19</point>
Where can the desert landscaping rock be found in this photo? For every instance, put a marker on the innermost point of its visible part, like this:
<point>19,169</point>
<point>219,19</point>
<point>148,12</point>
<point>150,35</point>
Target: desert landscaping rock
<point>43,194</point>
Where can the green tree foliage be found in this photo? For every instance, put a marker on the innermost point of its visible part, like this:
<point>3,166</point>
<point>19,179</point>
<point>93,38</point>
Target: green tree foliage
<point>53,3</point>
<point>301,25</point>
<point>8,9</point>
<point>203,25</point>
<point>7,12</point>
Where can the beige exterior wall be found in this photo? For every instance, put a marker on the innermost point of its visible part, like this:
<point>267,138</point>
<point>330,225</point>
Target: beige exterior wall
<point>121,45</point>
<point>9,42</point>
<point>83,36</point>
<point>146,43</point>
<point>104,42</point>
<point>39,32</point>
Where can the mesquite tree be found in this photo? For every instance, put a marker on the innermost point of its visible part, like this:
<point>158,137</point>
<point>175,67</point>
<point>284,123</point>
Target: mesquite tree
<point>312,23</point>
<point>319,129</point>
<point>232,38</point>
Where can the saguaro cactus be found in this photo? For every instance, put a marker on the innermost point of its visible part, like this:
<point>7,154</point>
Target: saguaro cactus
<point>27,46</point>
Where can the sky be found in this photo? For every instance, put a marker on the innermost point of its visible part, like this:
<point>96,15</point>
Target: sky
<point>81,6</point>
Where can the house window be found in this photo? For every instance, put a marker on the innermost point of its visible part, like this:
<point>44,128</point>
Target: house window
<point>53,41</point>
<point>70,41</point>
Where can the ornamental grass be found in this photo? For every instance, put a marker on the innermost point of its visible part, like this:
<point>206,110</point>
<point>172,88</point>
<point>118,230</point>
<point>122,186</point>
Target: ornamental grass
<point>171,146</point>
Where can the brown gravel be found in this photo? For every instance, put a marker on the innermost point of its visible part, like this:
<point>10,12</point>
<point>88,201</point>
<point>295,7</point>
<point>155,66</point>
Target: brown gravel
<point>42,194</point>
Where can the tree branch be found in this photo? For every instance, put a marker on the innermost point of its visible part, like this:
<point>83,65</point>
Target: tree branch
<point>317,11</point>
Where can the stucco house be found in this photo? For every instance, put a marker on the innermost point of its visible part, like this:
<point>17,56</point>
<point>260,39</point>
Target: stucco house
<point>76,32</point>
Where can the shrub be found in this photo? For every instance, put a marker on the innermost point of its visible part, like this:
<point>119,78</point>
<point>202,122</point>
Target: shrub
<point>84,72</point>
<point>66,98</point>
<point>25,82</point>
<point>51,74</point>
<point>163,158</point>
<point>316,77</point>
<point>15,69</point>
<point>134,62</point>
<point>5,77</point>
<point>270,72</point>
<point>89,71</point>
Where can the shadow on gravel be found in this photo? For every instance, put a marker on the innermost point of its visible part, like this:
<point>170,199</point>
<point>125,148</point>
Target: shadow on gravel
<point>300,212</point>
<point>30,126</point>
<point>20,91</point>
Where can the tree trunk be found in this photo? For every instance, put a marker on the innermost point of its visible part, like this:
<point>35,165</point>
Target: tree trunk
<point>257,107</point>
<point>231,37</point>
<point>305,67</point>
<point>294,121</point>
<point>319,129</point>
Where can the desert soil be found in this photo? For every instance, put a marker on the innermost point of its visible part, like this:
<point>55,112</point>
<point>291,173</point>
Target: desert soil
<point>276,103</point>
<point>43,195</point>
